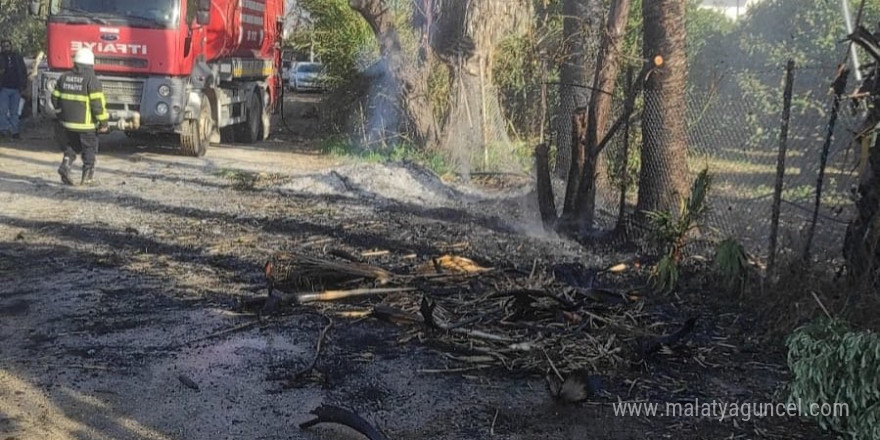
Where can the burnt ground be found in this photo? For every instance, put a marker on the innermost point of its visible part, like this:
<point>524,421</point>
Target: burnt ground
<point>114,299</point>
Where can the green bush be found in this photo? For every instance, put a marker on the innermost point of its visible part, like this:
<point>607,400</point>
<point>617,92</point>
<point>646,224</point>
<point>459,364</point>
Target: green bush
<point>665,274</point>
<point>732,264</point>
<point>399,152</point>
<point>831,363</point>
<point>340,37</point>
<point>518,75</point>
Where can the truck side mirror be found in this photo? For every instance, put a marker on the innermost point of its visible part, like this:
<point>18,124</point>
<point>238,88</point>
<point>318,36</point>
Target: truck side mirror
<point>203,16</point>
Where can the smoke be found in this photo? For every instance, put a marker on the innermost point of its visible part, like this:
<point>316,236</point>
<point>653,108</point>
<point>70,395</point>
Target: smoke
<point>380,127</point>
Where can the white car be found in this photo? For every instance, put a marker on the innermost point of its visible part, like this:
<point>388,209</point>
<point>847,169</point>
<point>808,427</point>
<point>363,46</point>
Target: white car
<point>306,76</point>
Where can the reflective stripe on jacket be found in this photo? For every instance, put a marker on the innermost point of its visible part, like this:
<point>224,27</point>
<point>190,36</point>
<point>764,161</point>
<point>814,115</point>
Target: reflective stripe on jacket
<point>81,100</point>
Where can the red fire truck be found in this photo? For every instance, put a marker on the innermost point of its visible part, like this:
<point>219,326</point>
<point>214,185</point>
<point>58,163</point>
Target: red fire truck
<point>187,67</point>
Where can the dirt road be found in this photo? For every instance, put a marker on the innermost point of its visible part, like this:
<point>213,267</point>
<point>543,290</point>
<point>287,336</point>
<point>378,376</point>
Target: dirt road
<point>112,297</point>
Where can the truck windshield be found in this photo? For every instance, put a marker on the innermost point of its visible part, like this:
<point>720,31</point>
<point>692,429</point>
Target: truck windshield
<point>162,14</point>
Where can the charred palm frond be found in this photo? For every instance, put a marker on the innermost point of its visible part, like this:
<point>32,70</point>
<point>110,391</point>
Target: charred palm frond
<point>294,272</point>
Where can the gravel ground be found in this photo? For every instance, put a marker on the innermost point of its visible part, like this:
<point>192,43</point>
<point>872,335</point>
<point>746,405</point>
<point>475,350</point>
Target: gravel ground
<point>112,297</point>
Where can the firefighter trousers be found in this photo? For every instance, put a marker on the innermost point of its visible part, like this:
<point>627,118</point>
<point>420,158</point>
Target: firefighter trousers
<point>84,143</point>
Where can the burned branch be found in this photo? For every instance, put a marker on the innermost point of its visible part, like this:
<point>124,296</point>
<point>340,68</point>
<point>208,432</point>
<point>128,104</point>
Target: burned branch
<point>546,200</point>
<point>293,378</point>
<point>342,416</point>
<point>648,347</point>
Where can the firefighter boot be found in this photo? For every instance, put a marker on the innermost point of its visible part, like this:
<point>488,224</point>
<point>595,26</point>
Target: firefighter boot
<point>88,177</point>
<point>64,171</point>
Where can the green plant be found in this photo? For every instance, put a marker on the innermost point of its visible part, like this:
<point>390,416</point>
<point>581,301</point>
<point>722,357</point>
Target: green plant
<point>436,161</point>
<point>400,152</point>
<point>732,264</point>
<point>669,231</point>
<point>337,146</point>
<point>833,364</point>
<point>665,274</point>
<point>518,73</point>
<point>245,180</point>
<point>514,156</point>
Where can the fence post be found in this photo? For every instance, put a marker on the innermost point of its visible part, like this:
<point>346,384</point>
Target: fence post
<point>839,87</point>
<point>624,162</point>
<point>485,119</point>
<point>780,163</point>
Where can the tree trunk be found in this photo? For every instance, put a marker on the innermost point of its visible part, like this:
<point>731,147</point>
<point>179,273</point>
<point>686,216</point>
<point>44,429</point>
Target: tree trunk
<point>663,179</point>
<point>578,30</point>
<point>862,244</point>
<point>546,200</point>
<point>578,142</point>
<point>411,78</point>
<point>607,68</point>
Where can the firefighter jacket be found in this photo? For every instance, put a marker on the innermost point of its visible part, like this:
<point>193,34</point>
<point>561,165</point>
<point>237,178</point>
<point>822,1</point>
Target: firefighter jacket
<point>80,100</point>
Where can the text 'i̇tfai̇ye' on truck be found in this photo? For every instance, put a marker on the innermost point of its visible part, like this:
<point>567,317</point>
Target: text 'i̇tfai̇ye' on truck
<point>187,67</point>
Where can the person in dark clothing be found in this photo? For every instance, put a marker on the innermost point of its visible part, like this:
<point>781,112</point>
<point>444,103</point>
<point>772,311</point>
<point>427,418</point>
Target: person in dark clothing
<point>81,106</point>
<point>13,81</point>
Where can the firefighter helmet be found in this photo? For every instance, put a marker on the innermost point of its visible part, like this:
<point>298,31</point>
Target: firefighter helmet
<point>84,56</point>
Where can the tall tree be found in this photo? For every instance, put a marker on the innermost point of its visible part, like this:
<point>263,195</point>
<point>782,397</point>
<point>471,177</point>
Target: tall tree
<point>589,128</point>
<point>605,80</point>
<point>663,179</point>
<point>578,37</point>
<point>28,34</point>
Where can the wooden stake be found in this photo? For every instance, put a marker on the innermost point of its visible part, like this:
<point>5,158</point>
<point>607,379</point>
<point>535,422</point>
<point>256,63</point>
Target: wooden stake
<point>485,118</point>
<point>780,163</point>
<point>624,160</point>
<point>838,86</point>
<point>543,95</point>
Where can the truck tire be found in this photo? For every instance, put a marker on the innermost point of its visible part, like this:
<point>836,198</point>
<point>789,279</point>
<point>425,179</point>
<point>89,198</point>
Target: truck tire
<point>195,137</point>
<point>252,129</point>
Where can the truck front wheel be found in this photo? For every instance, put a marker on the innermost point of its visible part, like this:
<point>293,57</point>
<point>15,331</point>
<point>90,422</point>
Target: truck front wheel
<point>196,133</point>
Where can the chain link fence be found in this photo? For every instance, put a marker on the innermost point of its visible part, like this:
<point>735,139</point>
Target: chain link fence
<point>733,124</point>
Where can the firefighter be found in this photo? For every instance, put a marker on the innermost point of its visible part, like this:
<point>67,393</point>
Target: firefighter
<point>82,113</point>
